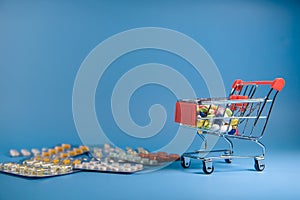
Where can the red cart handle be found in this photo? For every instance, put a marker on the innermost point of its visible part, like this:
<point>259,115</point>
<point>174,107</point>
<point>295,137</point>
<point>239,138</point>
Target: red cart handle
<point>276,84</point>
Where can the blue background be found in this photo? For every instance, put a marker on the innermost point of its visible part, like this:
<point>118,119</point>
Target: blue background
<point>43,43</point>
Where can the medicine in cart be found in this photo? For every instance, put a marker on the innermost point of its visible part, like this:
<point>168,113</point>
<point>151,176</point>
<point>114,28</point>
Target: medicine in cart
<point>243,116</point>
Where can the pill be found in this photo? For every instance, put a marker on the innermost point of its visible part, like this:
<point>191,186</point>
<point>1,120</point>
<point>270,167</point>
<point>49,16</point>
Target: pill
<point>118,150</point>
<point>106,146</point>
<point>214,127</point>
<point>136,159</point>
<point>59,149</point>
<point>152,156</point>
<point>47,172</point>
<point>28,162</point>
<point>55,161</point>
<point>40,172</point>
<point>45,154</point>
<point>126,169</point>
<point>13,168</point>
<point>22,169</point>
<point>225,128</point>
<point>78,166</point>
<point>52,151</point>
<point>37,164</point>
<point>143,155</point>
<point>64,169</point>
<point>46,159</point>
<point>66,146</point>
<point>46,165</point>
<point>84,148</point>
<point>163,158</point>
<point>85,165</point>
<point>7,166</point>
<point>14,153</point>
<point>144,160</point>
<point>116,164</point>
<point>98,154</point>
<point>153,162</point>
<point>25,152</point>
<point>161,153</point>
<point>37,158</point>
<point>35,152</point>
<point>91,167</point>
<point>115,169</point>
<point>78,150</point>
<point>228,112</point>
<point>66,162</point>
<point>174,156</point>
<point>77,161</point>
<point>103,168</point>
<point>234,122</point>
<point>72,153</point>
<point>63,155</point>
<point>139,166</point>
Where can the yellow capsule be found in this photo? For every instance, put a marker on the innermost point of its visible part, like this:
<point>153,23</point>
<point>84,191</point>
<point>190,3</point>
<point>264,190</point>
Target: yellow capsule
<point>38,158</point>
<point>63,155</point>
<point>200,123</point>
<point>66,146</point>
<point>72,153</point>
<point>52,151</point>
<point>59,149</point>
<point>78,150</point>
<point>55,161</point>
<point>84,148</point>
<point>76,162</point>
<point>46,159</point>
<point>213,107</point>
<point>66,162</point>
<point>45,154</point>
<point>206,123</point>
<point>234,122</point>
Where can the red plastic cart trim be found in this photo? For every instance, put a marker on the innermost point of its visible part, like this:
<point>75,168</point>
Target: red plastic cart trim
<point>276,84</point>
<point>186,113</point>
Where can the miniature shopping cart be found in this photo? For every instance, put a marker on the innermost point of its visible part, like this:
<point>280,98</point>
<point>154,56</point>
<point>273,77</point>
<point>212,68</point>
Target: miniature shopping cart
<point>241,116</point>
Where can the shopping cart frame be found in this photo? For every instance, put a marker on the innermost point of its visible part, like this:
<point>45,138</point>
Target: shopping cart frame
<point>247,109</point>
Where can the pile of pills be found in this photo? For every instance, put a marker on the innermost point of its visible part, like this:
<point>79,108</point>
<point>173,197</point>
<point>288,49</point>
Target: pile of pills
<point>224,122</point>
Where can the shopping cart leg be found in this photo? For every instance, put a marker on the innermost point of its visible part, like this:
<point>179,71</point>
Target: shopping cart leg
<point>259,163</point>
<point>185,161</point>
<point>230,152</point>
<point>208,167</point>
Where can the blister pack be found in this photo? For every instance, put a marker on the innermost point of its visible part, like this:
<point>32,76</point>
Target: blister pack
<point>109,166</point>
<point>139,156</point>
<point>47,162</point>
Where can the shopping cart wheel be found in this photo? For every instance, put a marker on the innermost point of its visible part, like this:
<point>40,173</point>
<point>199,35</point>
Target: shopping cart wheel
<point>185,162</point>
<point>208,167</point>
<point>259,164</point>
